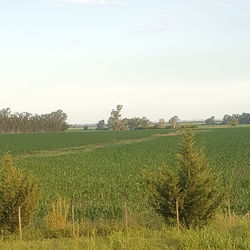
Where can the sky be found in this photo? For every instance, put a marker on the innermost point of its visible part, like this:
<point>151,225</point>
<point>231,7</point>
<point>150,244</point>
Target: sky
<point>158,58</point>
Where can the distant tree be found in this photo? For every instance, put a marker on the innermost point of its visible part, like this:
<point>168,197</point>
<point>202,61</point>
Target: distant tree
<point>226,119</point>
<point>27,123</point>
<point>100,125</point>
<point>244,118</point>
<point>210,121</point>
<point>174,121</point>
<point>138,123</point>
<point>134,123</point>
<point>114,121</point>
<point>124,124</point>
<point>160,124</point>
<point>85,128</point>
<point>234,121</point>
<point>190,195</point>
<point>17,189</point>
<point>145,122</point>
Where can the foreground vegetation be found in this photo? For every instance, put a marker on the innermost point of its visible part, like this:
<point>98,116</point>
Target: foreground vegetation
<point>100,174</point>
<point>222,234</point>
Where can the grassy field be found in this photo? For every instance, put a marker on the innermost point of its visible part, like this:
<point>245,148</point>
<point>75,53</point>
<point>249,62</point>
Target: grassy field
<point>101,171</point>
<point>28,143</point>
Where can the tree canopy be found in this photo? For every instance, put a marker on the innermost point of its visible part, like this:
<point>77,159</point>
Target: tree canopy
<point>27,123</point>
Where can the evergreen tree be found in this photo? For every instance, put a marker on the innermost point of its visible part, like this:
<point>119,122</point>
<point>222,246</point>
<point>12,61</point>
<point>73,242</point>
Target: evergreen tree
<point>198,186</point>
<point>17,189</point>
<point>191,194</point>
<point>163,192</point>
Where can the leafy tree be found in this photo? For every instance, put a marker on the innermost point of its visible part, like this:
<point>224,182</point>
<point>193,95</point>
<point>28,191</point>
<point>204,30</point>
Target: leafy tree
<point>124,124</point>
<point>174,121</point>
<point>137,123</point>
<point>114,121</point>
<point>244,118</point>
<point>27,123</point>
<point>233,121</point>
<point>17,189</point>
<point>133,123</point>
<point>226,119</point>
<point>191,194</point>
<point>160,124</point>
<point>100,125</point>
<point>210,121</point>
<point>145,122</point>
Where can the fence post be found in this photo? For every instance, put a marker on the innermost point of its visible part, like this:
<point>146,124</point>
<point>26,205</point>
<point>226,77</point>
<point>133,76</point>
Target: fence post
<point>73,220</point>
<point>177,215</point>
<point>126,216</point>
<point>20,222</point>
<point>229,210</point>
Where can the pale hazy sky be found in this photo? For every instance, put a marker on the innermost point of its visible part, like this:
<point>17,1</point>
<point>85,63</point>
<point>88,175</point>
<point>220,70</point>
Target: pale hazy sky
<point>158,58</point>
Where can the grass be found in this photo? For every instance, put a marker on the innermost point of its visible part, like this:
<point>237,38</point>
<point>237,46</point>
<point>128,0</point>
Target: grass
<point>222,234</point>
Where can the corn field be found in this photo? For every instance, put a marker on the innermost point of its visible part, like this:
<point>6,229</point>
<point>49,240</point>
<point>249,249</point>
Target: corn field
<point>101,171</point>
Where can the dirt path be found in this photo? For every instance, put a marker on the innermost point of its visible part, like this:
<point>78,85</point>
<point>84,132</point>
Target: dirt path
<point>91,147</point>
<point>71,150</point>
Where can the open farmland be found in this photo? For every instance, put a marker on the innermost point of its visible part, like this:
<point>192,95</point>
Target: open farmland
<point>101,171</point>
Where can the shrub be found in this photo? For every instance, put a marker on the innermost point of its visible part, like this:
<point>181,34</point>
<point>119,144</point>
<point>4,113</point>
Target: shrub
<point>17,189</point>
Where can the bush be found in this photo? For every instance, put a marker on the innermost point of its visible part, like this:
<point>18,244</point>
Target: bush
<point>17,189</point>
<point>189,125</point>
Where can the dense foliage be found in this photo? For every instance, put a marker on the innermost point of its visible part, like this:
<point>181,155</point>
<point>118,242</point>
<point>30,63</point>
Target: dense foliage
<point>28,123</point>
<point>191,194</point>
<point>243,118</point>
<point>115,122</point>
<point>17,189</point>
<point>210,121</point>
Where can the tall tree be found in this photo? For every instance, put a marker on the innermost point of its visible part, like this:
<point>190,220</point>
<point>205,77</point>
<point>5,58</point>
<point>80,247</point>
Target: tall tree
<point>27,123</point>
<point>145,122</point>
<point>234,121</point>
<point>190,194</point>
<point>226,119</point>
<point>114,121</point>
<point>160,124</point>
<point>173,121</point>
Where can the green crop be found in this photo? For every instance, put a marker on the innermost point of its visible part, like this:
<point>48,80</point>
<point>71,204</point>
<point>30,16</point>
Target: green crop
<point>100,180</point>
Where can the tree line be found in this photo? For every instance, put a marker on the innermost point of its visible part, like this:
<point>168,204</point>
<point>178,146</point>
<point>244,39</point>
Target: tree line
<point>232,120</point>
<point>27,123</point>
<point>243,118</point>
<point>115,122</point>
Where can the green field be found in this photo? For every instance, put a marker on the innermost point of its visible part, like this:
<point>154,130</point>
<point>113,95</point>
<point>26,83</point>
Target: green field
<point>101,171</point>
